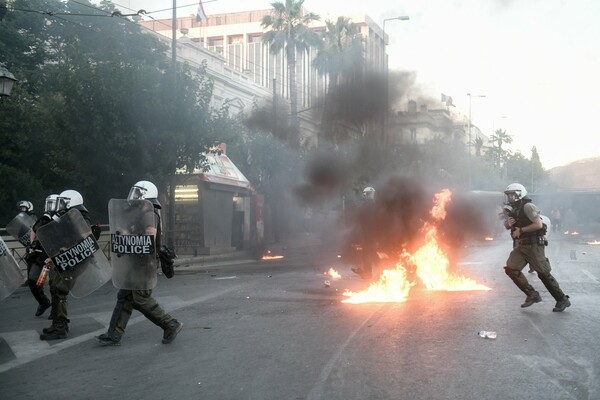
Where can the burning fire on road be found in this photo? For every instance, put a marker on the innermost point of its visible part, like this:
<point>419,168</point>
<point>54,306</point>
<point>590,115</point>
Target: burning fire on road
<point>271,256</point>
<point>430,263</point>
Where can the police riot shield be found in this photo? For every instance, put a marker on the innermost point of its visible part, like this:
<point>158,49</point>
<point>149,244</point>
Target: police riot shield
<point>10,274</point>
<point>75,253</point>
<point>20,228</point>
<point>132,243</point>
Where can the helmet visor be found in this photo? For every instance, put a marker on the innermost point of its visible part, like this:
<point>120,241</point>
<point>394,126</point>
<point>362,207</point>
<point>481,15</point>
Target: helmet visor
<point>50,205</point>
<point>512,197</point>
<point>54,204</point>
<point>62,203</point>
<point>137,193</point>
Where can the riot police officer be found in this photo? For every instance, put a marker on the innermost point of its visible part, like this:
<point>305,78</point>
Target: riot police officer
<point>26,207</point>
<point>527,230</point>
<point>36,255</point>
<point>141,300</point>
<point>60,287</point>
<point>367,235</point>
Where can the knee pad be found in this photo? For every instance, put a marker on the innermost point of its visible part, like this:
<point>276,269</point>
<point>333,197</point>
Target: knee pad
<point>512,273</point>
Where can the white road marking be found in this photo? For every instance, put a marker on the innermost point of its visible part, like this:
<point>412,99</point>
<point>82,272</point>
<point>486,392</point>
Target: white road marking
<point>590,275</point>
<point>25,343</point>
<point>28,348</point>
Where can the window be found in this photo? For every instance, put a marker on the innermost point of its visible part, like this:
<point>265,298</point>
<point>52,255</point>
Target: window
<point>254,38</point>
<point>186,193</point>
<point>235,39</point>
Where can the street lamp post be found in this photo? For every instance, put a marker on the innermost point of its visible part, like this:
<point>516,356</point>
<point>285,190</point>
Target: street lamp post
<point>470,141</point>
<point>386,73</point>
<point>174,34</point>
<point>7,80</point>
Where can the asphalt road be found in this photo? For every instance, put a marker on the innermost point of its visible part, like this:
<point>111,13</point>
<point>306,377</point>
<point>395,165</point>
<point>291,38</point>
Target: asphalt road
<point>273,330</point>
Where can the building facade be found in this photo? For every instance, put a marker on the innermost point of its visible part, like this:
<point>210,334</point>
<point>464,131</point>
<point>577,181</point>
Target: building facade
<point>237,37</point>
<point>419,124</point>
<point>245,70</point>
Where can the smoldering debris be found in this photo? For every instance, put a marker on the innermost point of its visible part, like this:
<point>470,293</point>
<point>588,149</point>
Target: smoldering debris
<point>402,206</point>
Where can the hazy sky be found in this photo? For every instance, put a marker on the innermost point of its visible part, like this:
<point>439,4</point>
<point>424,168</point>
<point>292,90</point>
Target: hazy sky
<point>536,61</point>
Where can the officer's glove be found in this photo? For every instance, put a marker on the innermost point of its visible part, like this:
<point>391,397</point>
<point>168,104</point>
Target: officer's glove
<point>97,231</point>
<point>166,256</point>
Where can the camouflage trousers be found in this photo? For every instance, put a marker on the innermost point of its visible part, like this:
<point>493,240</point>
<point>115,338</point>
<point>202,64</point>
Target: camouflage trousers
<point>141,300</point>
<point>59,296</point>
<point>534,255</point>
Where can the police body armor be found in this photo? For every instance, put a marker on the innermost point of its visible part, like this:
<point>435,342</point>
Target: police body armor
<point>11,277</point>
<point>20,228</point>
<point>133,227</point>
<point>75,253</point>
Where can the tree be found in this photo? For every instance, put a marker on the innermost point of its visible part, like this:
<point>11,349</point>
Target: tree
<point>341,59</point>
<point>478,146</point>
<point>537,171</point>
<point>498,155</point>
<point>98,108</point>
<point>290,32</point>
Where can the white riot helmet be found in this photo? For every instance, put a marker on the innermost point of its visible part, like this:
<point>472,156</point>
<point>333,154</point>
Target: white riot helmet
<point>25,206</point>
<point>368,193</point>
<point>50,204</point>
<point>69,199</point>
<point>144,190</point>
<point>514,193</point>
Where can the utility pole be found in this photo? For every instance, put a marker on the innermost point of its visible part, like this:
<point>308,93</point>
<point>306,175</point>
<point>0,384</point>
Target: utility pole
<point>386,77</point>
<point>174,34</point>
<point>470,141</point>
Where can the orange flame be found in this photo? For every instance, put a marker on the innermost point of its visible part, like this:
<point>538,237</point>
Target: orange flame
<point>268,256</point>
<point>392,287</point>
<point>432,267</point>
<point>333,273</point>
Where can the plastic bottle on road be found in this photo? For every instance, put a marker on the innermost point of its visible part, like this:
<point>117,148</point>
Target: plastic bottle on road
<point>487,334</point>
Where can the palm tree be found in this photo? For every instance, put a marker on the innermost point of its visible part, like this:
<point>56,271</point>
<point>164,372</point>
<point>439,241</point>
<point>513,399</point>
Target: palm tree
<point>290,32</point>
<point>478,146</point>
<point>499,138</point>
<point>342,53</point>
<point>341,58</point>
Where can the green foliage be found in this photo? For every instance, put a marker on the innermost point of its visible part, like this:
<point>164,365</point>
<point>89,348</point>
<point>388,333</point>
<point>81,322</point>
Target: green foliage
<point>98,106</point>
<point>290,32</point>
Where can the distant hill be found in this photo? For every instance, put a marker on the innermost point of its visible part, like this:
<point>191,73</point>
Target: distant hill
<point>578,176</point>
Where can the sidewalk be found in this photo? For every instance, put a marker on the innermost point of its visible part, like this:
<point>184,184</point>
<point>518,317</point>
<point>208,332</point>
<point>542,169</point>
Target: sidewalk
<point>186,261</point>
<point>287,247</point>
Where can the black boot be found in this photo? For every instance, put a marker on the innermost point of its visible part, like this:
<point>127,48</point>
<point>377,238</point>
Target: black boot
<point>532,295</point>
<point>562,304</point>
<point>173,328</point>
<point>111,338</point>
<point>38,292</point>
<point>58,330</point>
<point>562,300</point>
<point>42,308</point>
<point>54,326</point>
<point>532,298</point>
